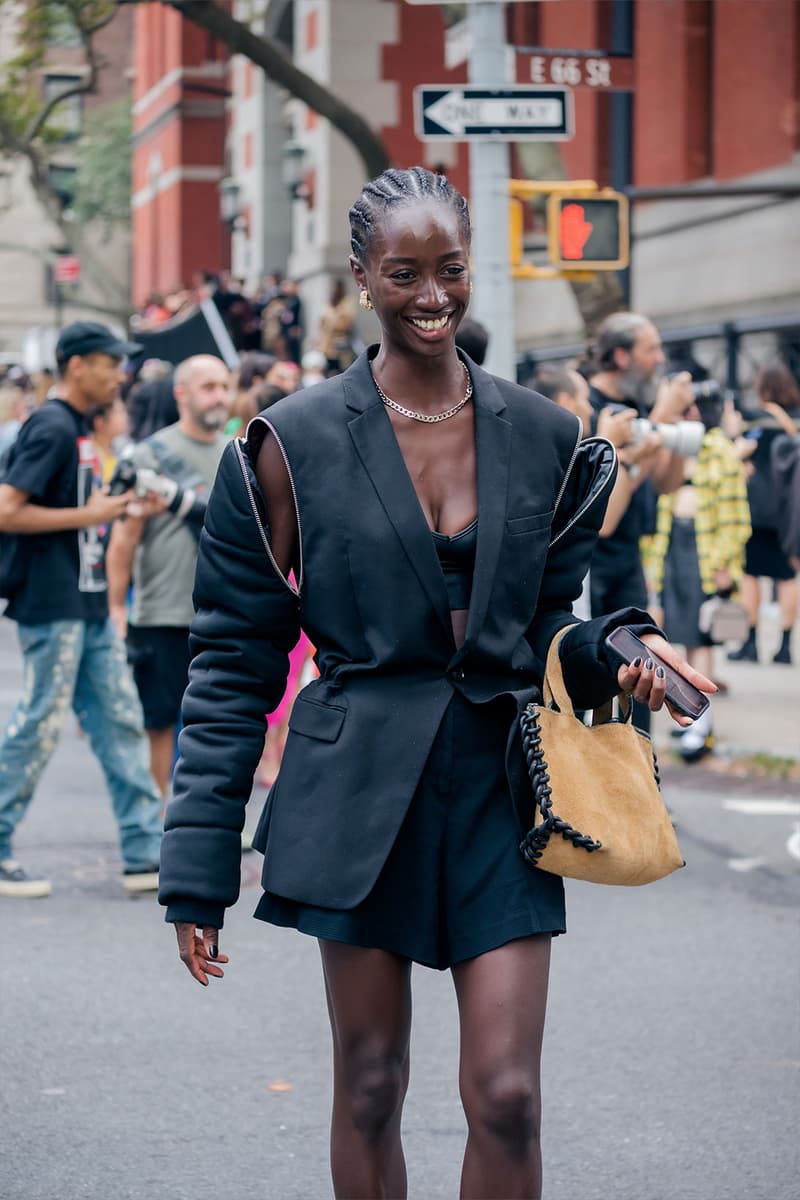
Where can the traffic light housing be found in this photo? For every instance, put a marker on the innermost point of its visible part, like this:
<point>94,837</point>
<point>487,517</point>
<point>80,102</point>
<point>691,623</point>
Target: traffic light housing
<point>588,232</point>
<point>516,231</point>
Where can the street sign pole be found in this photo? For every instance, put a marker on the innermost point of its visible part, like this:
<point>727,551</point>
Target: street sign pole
<point>489,175</point>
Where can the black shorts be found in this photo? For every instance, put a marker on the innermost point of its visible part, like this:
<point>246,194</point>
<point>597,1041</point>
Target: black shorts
<point>764,557</point>
<point>455,884</point>
<point>159,656</point>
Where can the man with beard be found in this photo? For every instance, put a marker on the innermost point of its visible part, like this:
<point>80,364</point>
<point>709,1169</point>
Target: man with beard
<point>629,362</point>
<point>159,552</point>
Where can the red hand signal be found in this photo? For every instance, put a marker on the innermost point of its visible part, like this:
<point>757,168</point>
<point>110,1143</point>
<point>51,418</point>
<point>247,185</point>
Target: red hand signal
<point>574,230</point>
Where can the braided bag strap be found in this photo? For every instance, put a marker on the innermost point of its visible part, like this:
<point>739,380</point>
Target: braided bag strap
<point>535,841</point>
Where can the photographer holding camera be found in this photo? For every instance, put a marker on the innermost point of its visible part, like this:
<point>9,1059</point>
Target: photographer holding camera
<point>159,552</point>
<point>694,559</point>
<point>53,514</point>
<point>628,364</point>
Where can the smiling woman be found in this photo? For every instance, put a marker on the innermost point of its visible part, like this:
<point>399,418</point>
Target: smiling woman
<point>429,539</point>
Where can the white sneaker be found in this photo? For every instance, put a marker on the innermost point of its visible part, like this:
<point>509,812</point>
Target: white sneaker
<point>15,881</point>
<point>141,879</point>
<point>696,740</point>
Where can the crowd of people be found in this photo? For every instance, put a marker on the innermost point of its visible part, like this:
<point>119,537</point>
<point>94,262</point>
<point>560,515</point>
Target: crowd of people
<point>270,320</point>
<point>680,526</point>
<point>687,520</point>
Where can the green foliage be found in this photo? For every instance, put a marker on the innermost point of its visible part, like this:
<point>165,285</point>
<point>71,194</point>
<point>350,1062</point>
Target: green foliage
<point>102,185</point>
<point>453,13</point>
<point>41,26</point>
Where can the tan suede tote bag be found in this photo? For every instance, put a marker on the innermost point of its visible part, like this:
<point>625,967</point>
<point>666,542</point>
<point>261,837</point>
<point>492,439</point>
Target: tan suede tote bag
<point>598,810</point>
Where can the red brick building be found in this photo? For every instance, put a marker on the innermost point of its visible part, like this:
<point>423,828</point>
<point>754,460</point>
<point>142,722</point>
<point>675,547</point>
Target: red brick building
<point>713,93</point>
<point>180,91</point>
<point>716,84</point>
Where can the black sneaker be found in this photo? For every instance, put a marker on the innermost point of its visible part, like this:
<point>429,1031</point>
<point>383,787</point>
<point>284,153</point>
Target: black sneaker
<point>14,881</point>
<point>141,879</point>
<point>745,653</point>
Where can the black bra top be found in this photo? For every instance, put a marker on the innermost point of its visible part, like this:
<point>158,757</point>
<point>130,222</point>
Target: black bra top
<point>457,559</point>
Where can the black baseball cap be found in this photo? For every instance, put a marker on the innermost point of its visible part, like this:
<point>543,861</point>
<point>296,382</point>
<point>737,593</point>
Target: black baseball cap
<point>90,337</point>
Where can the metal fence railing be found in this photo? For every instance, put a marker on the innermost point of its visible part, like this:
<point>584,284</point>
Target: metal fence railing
<point>730,351</point>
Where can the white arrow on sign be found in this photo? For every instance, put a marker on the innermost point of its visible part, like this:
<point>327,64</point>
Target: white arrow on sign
<point>454,113</point>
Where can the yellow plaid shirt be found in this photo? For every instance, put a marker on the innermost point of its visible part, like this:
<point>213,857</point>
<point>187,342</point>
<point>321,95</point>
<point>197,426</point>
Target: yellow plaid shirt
<point>722,525</point>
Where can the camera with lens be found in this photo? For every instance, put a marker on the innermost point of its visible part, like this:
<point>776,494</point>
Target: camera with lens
<point>123,479</point>
<point>681,437</point>
<point>143,481</point>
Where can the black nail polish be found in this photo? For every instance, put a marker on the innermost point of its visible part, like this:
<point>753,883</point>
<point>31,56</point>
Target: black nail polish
<point>659,672</point>
<point>213,950</point>
<point>648,666</point>
<point>637,662</point>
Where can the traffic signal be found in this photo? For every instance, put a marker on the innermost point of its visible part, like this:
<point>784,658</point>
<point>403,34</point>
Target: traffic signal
<point>516,230</point>
<point>588,232</point>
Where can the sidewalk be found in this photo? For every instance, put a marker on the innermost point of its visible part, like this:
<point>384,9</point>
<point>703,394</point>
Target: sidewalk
<point>761,712</point>
<point>759,715</point>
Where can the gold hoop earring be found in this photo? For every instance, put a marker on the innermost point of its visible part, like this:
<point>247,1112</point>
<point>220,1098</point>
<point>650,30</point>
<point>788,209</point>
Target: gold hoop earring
<point>364,300</point>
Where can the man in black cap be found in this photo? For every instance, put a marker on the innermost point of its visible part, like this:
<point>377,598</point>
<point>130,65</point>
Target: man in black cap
<point>52,522</point>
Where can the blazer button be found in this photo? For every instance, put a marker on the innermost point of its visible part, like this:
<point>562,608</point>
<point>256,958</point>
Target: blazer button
<point>459,674</point>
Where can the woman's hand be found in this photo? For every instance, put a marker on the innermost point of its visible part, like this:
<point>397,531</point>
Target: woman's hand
<point>200,954</point>
<point>644,683</point>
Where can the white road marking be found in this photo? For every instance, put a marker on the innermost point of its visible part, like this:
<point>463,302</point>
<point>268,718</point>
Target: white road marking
<point>746,864</point>
<point>793,842</point>
<point>764,808</point>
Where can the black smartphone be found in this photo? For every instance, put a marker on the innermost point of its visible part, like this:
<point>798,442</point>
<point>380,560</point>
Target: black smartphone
<point>682,695</point>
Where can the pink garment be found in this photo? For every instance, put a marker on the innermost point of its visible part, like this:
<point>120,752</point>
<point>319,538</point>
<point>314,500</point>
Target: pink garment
<point>297,660</point>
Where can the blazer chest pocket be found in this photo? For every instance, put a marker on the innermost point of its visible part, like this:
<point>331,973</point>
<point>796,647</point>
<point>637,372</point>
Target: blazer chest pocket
<point>529,524</point>
<point>317,720</point>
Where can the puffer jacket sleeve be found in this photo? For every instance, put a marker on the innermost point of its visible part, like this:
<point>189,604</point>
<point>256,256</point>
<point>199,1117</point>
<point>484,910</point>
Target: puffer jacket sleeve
<point>589,676</point>
<point>246,623</point>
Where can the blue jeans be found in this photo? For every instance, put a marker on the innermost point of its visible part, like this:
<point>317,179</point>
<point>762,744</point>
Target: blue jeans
<point>81,664</point>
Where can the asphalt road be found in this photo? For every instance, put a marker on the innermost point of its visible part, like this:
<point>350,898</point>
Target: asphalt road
<point>672,1057</point>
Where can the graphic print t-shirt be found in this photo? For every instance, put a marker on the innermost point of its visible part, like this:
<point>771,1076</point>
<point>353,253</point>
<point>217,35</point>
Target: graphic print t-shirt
<point>55,462</point>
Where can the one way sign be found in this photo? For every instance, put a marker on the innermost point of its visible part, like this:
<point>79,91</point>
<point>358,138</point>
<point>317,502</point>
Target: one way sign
<point>512,114</point>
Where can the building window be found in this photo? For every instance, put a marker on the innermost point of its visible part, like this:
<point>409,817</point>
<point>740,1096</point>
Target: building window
<point>61,178</point>
<point>62,32</point>
<point>67,118</point>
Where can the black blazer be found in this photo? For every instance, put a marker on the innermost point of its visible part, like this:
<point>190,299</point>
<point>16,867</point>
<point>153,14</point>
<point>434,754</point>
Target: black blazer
<point>372,599</point>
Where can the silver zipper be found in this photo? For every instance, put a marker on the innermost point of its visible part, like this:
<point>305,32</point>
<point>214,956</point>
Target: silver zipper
<point>587,504</point>
<point>570,465</point>
<point>238,442</point>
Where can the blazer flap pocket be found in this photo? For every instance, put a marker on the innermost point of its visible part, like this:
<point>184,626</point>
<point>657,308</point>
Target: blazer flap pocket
<point>526,524</point>
<point>317,720</point>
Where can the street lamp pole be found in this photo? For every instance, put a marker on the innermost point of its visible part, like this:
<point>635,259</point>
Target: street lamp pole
<point>489,176</point>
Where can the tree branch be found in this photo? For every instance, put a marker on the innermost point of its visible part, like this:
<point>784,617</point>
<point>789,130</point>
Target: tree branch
<point>42,117</point>
<point>88,85</point>
<point>269,55</point>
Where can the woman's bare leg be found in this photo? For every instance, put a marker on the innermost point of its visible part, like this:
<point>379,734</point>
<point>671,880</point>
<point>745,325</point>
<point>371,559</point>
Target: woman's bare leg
<point>789,600</point>
<point>502,996</point>
<point>369,1004</point>
<point>751,598</point>
<point>700,658</point>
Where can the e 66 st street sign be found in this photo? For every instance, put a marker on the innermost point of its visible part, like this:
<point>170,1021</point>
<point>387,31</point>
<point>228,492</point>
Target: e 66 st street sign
<point>443,112</point>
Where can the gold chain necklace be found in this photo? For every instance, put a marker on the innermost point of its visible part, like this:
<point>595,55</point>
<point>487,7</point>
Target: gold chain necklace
<point>428,418</point>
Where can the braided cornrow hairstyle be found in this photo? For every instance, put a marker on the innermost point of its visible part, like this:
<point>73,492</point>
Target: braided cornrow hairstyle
<point>393,188</point>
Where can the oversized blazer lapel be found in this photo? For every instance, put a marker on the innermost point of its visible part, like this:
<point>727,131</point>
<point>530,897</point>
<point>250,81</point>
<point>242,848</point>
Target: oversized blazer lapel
<point>376,445</point>
<point>493,453</point>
